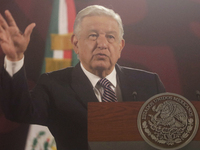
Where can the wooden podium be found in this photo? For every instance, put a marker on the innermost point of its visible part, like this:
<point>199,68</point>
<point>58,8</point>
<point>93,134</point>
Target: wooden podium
<point>118,121</point>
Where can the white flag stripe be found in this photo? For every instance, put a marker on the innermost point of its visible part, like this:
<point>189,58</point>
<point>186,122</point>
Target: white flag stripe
<point>62,22</point>
<point>59,54</point>
<point>34,134</point>
<point>62,26</point>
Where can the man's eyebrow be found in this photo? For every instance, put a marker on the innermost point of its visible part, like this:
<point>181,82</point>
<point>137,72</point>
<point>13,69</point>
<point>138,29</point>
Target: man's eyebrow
<point>92,30</point>
<point>111,32</point>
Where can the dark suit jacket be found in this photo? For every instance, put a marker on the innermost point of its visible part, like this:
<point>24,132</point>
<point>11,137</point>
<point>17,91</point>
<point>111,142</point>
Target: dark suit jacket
<point>60,99</point>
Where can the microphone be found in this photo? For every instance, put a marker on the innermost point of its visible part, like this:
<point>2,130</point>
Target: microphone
<point>134,96</point>
<point>198,95</point>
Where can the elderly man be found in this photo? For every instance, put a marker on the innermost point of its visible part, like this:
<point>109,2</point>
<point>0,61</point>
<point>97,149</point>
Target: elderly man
<point>59,100</point>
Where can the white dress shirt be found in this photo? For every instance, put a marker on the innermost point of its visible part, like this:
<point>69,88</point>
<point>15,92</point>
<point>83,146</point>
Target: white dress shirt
<point>98,89</point>
<point>13,67</point>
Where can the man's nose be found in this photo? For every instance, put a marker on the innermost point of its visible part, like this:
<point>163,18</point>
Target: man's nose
<point>102,42</point>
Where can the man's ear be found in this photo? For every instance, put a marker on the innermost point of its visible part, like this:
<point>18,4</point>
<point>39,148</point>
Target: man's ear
<point>74,41</point>
<point>122,44</point>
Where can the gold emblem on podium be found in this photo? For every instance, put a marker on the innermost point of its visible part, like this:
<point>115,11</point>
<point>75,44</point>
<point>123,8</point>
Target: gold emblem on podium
<point>168,121</point>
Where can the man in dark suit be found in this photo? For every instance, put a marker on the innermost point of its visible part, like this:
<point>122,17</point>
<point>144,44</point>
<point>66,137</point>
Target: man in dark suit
<point>60,98</point>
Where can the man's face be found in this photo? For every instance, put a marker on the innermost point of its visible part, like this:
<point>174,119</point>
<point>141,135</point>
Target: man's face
<point>98,44</point>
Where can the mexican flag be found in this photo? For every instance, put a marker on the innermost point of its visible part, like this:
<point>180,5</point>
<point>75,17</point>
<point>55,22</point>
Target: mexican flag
<point>58,55</point>
<point>58,52</point>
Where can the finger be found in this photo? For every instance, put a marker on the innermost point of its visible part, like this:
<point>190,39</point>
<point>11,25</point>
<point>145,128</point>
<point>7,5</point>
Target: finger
<point>28,30</point>
<point>10,19</point>
<point>3,22</point>
<point>2,31</point>
<point>2,35</point>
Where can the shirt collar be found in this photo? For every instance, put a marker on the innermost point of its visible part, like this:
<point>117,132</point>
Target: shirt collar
<point>94,79</point>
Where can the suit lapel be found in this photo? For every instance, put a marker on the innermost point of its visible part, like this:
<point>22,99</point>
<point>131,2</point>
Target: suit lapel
<point>82,86</point>
<point>127,86</point>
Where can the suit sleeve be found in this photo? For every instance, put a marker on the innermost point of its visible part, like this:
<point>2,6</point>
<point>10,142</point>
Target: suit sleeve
<point>18,103</point>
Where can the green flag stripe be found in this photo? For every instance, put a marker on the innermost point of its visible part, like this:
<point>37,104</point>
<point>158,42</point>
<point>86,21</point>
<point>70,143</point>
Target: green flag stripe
<point>53,28</point>
<point>75,59</point>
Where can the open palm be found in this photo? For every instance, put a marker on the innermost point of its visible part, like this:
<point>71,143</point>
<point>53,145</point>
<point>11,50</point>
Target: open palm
<point>12,41</point>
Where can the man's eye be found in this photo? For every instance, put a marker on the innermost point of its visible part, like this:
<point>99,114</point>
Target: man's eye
<point>110,37</point>
<point>93,36</point>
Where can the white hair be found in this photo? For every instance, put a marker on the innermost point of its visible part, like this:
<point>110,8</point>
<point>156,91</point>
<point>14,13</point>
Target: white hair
<point>97,10</point>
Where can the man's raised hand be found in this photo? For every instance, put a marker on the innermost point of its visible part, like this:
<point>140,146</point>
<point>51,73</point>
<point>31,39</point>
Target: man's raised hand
<point>13,42</point>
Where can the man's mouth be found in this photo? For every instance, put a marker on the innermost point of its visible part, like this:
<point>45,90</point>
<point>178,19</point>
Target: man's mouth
<point>101,56</point>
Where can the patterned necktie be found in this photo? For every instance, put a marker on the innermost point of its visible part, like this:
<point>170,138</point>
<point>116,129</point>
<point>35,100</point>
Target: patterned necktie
<point>108,95</point>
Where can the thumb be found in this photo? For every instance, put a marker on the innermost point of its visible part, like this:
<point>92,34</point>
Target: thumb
<point>28,30</point>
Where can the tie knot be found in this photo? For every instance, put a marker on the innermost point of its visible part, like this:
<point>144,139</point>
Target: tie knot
<point>104,82</point>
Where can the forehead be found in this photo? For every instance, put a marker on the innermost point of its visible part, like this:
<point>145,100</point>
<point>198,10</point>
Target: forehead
<point>99,23</point>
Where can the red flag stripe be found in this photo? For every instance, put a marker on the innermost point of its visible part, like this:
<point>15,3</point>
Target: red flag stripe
<point>71,14</point>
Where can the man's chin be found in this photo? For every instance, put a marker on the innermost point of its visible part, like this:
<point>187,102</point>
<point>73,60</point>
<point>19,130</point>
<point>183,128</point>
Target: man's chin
<point>102,67</point>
